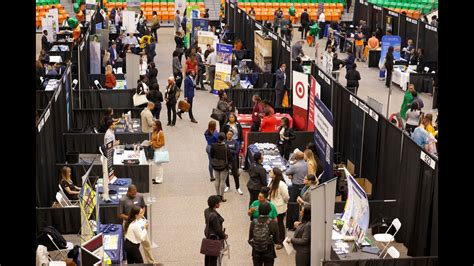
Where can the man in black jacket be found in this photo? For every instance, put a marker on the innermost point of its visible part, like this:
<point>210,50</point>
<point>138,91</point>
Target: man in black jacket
<point>280,85</point>
<point>45,44</point>
<point>304,23</point>
<point>257,177</point>
<point>353,77</point>
<point>266,257</point>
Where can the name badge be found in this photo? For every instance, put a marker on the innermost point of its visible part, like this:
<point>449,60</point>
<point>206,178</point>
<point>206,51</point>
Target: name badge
<point>135,202</point>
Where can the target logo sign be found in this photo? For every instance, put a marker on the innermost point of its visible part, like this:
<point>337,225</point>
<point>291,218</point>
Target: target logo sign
<point>300,90</point>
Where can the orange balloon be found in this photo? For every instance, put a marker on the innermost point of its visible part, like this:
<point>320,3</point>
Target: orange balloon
<point>80,16</point>
<point>76,33</point>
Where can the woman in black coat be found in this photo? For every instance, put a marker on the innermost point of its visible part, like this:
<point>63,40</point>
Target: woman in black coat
<point>301,240</point>
<point>286,136</point>
<point>235,126</point>
<point>152,73</point>
<point>214,229</point>
<point>389,66</point>
<point>353,77</point>
<point>155,96</point>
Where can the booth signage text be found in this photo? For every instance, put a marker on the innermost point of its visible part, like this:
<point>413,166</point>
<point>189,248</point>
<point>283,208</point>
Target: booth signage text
<point>377,7</point>
<point>258,26</point>
<point>391,13</point>
<point>431,28</point>
<point>428,160</point>
<point>374,115</point>
<point>312,93</point>
<point>40,125</point>
<point>412,21</point>
<point>323,137</point>
<point>321,74</point>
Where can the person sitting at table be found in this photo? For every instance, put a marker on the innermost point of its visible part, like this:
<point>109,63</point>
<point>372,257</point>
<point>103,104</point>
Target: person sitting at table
<point>108,115</point>
<point>146,118</point>
<point>298,67</point>
<point>262,197</point>
<point>130,200</point>
<point>286,137</point>
<point>409,50</point>
<point>235,79</point>
<point>373,42</point>
<point>110,81</point>
<point>72,191</point>
<point>110,133</point>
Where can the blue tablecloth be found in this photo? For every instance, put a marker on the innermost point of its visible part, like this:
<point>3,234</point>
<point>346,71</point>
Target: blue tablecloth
<point>121,185</point>
<point>115,232</point>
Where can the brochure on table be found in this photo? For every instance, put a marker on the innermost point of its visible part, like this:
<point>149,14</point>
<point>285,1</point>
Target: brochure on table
<point>356,212</point>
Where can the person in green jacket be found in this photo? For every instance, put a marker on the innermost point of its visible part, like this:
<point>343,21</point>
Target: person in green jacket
<point>407,100</point>
<point>262,197</point>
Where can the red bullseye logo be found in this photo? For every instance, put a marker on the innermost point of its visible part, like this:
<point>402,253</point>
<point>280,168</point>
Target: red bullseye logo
<point>300,89</point>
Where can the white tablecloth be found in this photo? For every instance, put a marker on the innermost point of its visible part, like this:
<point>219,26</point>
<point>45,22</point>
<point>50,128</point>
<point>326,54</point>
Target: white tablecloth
<point>118,158</point>
<point>401,78</point>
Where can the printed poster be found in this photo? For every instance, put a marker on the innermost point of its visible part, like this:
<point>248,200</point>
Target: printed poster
<point>356,212</point>
<point>300,99</point>
<point>223,66</point>
<point>199,24</point>
<point>323,137</point>
<point>387,41</point>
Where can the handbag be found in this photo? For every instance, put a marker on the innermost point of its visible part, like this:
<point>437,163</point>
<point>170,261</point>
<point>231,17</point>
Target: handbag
<point>285,101</point>
<point>183,106</point>
<point>211,247</point>
<point>161,156</point>
<point>217,114</point>
<point>139,99</point>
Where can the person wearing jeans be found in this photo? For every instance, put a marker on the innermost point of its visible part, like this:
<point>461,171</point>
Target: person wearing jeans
<point>220,157</point>
<point>233,146</point>
<point>211,136</point>
<point>279,196</point>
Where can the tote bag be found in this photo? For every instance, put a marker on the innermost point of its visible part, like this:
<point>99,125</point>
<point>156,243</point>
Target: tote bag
<point>161,156</point>
<point>139,99</point>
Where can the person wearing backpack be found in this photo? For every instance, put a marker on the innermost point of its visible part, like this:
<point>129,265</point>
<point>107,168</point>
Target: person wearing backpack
<point>301,240</point>
<point>263,235</point>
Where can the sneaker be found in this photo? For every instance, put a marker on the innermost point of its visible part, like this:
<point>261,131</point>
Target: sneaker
<point>240,191</point>
<point>226,189</point>
<point>155,182</point>
<point>179,115</point>
<point>278,246</point>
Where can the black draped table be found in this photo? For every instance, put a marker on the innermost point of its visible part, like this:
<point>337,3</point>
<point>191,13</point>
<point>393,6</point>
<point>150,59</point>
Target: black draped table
<point>90,142</point>
<point>104,98</point>
<point>92,117</point>
<point>374,58</point>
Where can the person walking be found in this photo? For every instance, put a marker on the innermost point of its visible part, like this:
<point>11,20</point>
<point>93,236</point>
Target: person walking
<point>157,142</point>
<point>301,240</point>
<point>155,25</point>
<point>211,135</point>
<point>353,77</point>
<point>214,229</point>
<point>359,45</point>
<point>220,157</point>
<point>171,97</point>
<point>233,145</point>
<point>225,106</point>
<point>263,235</point>
<point>389,60</point>
<point>177,68</point>
<point>407,101</point>
<point>155,96</point>
<point>304,23</point>
<point>412,118</point>
<point>188,95</point>
<point>257,177</point>
<point>279,196</point>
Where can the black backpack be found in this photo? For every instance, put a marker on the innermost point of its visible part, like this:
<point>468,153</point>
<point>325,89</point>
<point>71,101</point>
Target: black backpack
<point>261,236</point>
<point>43,239</point>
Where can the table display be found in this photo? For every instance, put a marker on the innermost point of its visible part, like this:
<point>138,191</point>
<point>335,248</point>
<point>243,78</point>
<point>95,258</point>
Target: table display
<point>271,158</point>
<point>90,142</point>
<point>263,51</point>
<point>245,121</point>
<point>121,155</point>
<point>374,57</point>
<point>129,125</point>
<point>401,76</point>
<point>113,241</point>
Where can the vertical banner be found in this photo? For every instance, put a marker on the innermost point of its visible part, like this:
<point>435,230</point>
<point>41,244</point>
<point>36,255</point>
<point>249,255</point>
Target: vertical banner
<point>327,63</point>
<point>47,24</point>
<point>323,137</point>
<point>94,55</point>
<point>387,41</point>
<point>312,94</point>
<point>128,21</point>
<point>300,100</point>
<point>356,212</point>
<point>109,150</point>
<point>180,5</point>
<point>191,12</point>
<point>53,13</point>
<point>207,37</point>
<point>199,24</point>
<point>223,66</point>
<point>90,7</point>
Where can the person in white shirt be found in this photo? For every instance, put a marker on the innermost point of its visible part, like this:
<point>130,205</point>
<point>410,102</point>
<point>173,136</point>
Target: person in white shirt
<point>211,63</point>
<point>143,66</point>
<point>322,17</point>
<point>322,24</point>
<point>135,233</point>
<point>279,196</point>
<point>147,118</point>
<point>110,133</point>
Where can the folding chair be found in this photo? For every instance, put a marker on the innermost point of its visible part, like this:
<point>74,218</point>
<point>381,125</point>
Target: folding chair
<point>63,252</point>
<point>393,252</point>
<point>388,238</point>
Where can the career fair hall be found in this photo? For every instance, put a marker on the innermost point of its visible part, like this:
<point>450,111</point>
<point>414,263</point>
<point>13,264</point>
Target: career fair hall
<point>305,131</point>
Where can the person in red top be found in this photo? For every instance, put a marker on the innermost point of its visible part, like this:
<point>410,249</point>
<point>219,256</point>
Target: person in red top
<point>269,123</point>
<point>110,81</point>
<point>257,113</point>
<point>191,64</point>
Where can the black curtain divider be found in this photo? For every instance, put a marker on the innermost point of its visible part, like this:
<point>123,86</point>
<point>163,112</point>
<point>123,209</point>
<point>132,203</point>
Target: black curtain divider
<point>430,51</point>
<point>402,25</point>
<point>242,24</point>
<point>84,118</point>
<point>249,36</point>
<point>282,110</point>
<point>408,30</point>
<point>326,90</point>
<point>376,17</point>
<point>226,12</point>
<point>242,98</point>
<point>421,36</point>
<point>259,79</point>
<point>355,136</point>
<point>369,149</point>
<point>43,98</point>
<point>393,21</point>
<point>388,170</point>
<point>232,15</point>
<point>344,117</point>
<point>276,47</point>
<point>434,218</point>
<point>84,63</point>
<point>361,11</point>
<point>50,147</point>
<point>104,99</point>
<point>90,142</point>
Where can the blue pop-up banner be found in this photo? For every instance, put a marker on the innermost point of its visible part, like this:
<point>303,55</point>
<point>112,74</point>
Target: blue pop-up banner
<point>387,41</point>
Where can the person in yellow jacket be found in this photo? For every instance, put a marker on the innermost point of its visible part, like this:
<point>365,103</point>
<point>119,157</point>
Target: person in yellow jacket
<point>144,41</point>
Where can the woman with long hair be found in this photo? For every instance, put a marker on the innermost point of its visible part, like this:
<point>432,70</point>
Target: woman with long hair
<point>311,161</point>
<point>257,113</point>
<point>71,190</point>
<point>214,226</point>
<point>412,117</point>
<point>211,136</point>
<point>301,240</point>
<point>286,136</point>
<point>279,196</point>
<point>389,61</point>
<point>135,233</point>
<point>225,106</point>
<point>157,142</point>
